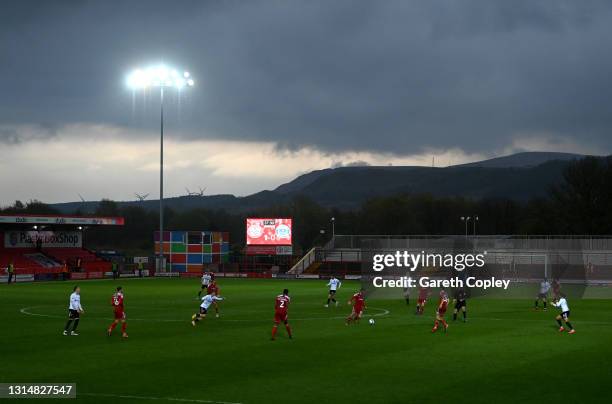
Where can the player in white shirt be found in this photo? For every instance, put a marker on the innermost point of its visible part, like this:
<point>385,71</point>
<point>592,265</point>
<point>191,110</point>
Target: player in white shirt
<point>207,301</point>
<point>543,293</point>
<point>74,312</point>
<point>406,294</point>
<point>334,284</point>
<point>206,279</point>
<point>565,313</point>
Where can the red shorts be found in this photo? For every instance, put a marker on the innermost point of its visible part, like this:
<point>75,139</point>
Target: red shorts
<point>119,315</point>
<point>280,317</point>
<point>442,312</point>
<point>357,312</point>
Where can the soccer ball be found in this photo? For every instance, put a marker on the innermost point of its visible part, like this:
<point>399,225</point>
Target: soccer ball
<point>371,321</point>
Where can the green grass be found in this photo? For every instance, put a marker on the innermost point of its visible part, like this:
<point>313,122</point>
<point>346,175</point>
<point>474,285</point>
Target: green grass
<point>504,353</point>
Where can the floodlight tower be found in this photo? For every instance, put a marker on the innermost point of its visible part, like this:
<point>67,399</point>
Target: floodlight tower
<point>161,77</point>
<point>466,219</point>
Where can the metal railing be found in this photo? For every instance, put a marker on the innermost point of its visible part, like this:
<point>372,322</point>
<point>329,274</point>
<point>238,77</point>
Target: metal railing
<point>534,242</point>
<point>304,262</point>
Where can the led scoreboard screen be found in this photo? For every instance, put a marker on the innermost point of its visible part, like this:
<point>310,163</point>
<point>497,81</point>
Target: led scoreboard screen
<point>268,231</point>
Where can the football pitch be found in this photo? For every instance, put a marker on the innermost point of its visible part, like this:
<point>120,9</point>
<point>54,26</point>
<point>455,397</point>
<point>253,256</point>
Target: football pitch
<point>505,352</point>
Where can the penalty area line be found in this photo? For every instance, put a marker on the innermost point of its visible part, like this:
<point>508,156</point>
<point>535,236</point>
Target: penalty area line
<point>132,397</point>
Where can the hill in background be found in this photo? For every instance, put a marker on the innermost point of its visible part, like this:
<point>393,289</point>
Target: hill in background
<point>520,176</point>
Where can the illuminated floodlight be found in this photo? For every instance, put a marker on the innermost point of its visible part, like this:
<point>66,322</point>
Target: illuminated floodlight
<point>158,76</point>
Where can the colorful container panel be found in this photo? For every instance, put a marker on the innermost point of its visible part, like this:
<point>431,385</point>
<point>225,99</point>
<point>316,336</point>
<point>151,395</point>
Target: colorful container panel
<point>190,250</point>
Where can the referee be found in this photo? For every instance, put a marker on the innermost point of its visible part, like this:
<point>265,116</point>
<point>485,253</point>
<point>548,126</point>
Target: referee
<point>460,304</point>
<point>74,312</point>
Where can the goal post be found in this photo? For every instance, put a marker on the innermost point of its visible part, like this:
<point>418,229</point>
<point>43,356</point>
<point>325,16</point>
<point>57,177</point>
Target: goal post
<point>520,266</point>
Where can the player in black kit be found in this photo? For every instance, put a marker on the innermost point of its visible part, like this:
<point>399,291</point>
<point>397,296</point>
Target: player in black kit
<point>460,300</point>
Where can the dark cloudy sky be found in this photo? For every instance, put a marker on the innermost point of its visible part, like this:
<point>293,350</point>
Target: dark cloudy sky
<point>284,87</point>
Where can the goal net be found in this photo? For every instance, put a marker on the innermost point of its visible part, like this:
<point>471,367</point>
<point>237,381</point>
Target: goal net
<point>519,267</point>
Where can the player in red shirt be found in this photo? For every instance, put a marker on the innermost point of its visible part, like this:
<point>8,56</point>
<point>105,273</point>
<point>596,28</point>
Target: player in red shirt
<point>358,302</point>
<point>117,303</point>
<point>213,289</point>
<point>280,313</point>
<point>442,306</point>
<point>556,287</point>
<point>423,294</point>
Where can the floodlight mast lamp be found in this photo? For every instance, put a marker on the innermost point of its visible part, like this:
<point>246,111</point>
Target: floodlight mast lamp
<point>161,77</point>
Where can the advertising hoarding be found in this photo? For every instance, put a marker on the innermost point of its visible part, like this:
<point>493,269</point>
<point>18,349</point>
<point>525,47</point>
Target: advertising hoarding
<point>48,239</point>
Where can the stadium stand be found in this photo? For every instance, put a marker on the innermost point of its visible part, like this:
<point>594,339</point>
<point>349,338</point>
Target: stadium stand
<point>43,247</point>
<point>78,258</point>
<point>576,259</point>
<point>25,261</point>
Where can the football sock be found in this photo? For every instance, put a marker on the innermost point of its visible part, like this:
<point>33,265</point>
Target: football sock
<point>328,301</point>
<point>444,323</point>
<point>465,314</point>
<point>408,302</point>
<point>455,316</point>
<point>123,327</point>
<point>68,324</point>
<point>333,300</point>
<point>76,324</point>
<point>288,329</point>
<point>112,326</point>
<point>569,325</point>
<point>436,324</point>
<point>274,329</point>
<point>536,303</point>
<point>545,304</point>
<point>559,322</point>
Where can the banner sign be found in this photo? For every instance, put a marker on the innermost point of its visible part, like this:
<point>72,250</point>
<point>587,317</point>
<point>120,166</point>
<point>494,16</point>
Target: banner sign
<point>269,250</point>
<point>268,231</point>
<point>18,278</point>
<point>48,239</point>
<point>168,274</point>
<point>55,219</point>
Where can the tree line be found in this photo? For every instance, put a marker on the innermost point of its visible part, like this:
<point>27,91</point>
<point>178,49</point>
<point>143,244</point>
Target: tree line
<point>580,204</point>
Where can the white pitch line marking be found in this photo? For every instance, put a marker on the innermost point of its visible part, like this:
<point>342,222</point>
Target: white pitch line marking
<point>131,397</point>
<point>383,312</point>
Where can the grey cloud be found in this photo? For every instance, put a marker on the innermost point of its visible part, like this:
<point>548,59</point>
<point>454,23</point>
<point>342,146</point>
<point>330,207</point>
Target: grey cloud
<point>15,134</point>
<point>393,76</point>
<point>358,163</point>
